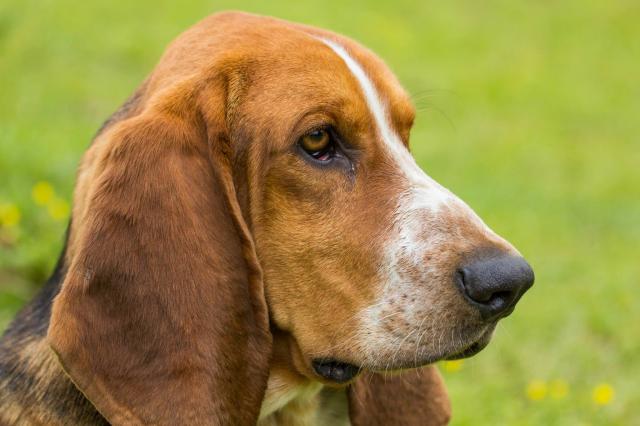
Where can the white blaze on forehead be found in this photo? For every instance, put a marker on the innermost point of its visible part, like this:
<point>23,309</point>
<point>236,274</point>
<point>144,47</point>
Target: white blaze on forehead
<point>397,150</point>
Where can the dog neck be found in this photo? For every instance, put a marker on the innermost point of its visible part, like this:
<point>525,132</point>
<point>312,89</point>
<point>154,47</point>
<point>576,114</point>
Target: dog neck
<point>289,400</point>
<point>292,398</point>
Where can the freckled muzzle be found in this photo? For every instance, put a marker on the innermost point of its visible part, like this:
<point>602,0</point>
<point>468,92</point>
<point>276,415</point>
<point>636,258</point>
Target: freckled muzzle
<point>494,283</point>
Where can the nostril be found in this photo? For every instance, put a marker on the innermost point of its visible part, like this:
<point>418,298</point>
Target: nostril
<point>462,278</point>
<point>499,301</point>
<point>480,293</point>
<point>465,280</point>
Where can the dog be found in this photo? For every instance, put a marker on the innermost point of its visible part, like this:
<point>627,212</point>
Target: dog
<point>252,242</point>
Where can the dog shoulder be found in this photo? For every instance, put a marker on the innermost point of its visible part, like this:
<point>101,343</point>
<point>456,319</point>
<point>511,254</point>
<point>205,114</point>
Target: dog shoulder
<point>33,387</point>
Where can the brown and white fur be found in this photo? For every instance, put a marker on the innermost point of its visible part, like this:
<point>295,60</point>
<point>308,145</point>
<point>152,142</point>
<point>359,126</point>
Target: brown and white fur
<point>210,261</point>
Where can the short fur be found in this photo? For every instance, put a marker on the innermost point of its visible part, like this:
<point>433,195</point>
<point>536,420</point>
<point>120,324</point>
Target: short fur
<point>209,262</point>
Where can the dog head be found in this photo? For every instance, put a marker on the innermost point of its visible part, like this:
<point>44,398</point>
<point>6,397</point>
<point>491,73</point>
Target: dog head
<point>261,178</point>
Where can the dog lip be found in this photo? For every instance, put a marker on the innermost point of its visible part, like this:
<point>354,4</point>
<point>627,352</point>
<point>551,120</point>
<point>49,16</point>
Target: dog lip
<point>469,351</point>
<point>335,371</point>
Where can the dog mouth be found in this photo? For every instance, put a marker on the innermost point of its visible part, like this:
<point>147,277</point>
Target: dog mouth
<point>335,371</point>
<point>468,352</point>
<point>340,372</point>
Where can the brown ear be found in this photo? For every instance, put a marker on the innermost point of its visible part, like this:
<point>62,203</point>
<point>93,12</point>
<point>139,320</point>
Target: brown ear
<point>161,317</point>
<point>415,397</point>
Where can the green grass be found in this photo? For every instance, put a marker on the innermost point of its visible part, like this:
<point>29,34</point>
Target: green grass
<point>530,111</point>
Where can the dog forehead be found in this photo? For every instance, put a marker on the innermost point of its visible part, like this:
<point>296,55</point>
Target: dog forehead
<point>322,69</point>
<point>290,52</point>
<point>283,71</point>
<point>289,62</point>
<point>371,78</point>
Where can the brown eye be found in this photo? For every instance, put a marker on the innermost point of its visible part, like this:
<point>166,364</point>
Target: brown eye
<point>318,144</point>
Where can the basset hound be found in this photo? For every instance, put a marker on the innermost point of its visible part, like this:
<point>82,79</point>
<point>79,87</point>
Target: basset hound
<point>252,243</point>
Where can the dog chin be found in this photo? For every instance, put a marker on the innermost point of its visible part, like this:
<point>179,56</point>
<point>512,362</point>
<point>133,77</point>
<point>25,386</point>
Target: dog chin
<point>337,371</point>
<point>473,345</point>
<point>474,348</point>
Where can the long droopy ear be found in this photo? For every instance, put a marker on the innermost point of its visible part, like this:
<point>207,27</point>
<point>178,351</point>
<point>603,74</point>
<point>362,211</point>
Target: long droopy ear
<point>412,398</point>
<point>161,318</point>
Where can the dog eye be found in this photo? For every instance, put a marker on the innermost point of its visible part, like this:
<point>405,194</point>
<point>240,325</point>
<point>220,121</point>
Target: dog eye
<point>319,144</point>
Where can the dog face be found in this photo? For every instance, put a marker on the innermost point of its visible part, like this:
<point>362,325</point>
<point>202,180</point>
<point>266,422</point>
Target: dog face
<point>368,262</point>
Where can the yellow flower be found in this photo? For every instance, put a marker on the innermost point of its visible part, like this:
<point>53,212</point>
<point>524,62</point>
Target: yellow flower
<point>9,236</point>
<point>42,193</point>
<point>9,215</point>
<point>453,366</point>
<point>558,389</point>
<point>603,394</point>
<point>58,209</point>
<point>536,390</point>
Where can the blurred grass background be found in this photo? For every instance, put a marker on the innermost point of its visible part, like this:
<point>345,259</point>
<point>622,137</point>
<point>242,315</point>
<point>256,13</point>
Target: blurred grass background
<point>530,111</point>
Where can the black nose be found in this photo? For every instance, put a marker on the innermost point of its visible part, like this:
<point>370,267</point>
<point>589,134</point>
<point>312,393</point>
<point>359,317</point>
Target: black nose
<point>494,285</point>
